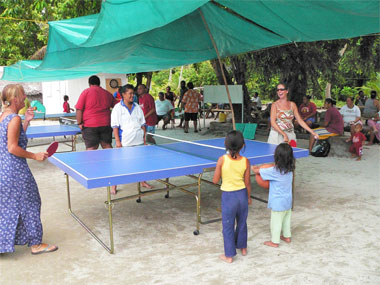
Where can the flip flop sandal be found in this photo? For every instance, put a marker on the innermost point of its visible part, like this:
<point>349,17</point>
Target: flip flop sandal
<point>46,250</point>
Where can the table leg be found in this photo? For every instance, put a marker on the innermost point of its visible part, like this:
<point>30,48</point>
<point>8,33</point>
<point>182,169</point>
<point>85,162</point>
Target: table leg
<point>109,249</point>
<point>167,187</point>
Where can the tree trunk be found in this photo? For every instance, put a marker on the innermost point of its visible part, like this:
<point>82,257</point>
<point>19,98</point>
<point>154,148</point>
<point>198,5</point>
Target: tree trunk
<point>170,76</point>
<point>180,78</point>
<point>239,67</point>
<point>148,79</point>
<point>328,90</point>
<point>215,65</point>
<point>139,77</point>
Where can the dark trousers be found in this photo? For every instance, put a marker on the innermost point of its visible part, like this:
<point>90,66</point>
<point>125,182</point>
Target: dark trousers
<point>234,207</point>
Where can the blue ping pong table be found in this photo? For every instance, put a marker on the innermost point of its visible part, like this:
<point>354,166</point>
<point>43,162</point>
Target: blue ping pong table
<point>104,168</point>
<point>54,131</point>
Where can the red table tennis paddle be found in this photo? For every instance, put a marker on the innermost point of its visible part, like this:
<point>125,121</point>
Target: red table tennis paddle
<point>52,148</point>
<point>293,143</point>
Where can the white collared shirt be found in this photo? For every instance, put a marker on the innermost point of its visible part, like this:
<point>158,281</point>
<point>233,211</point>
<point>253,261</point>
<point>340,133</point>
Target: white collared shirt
<point>129,123</point>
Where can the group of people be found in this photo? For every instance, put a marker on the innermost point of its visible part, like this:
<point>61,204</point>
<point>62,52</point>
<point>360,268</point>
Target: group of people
<point>99,114</point>
<point>285,117</point>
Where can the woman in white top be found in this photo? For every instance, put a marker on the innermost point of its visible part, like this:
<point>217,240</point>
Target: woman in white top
<point>282,115</point>
<point>351,115</point>
<point>128,124</point>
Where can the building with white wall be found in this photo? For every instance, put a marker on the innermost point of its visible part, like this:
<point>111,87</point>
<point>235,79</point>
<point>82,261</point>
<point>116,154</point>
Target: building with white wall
<point>53,92</point>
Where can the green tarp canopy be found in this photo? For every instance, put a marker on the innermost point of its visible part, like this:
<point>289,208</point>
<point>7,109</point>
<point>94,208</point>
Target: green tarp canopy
<point>147,35</point>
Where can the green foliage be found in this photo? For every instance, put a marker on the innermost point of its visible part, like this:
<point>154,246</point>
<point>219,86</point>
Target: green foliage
<point>373,84</point>
<point>20,39</point>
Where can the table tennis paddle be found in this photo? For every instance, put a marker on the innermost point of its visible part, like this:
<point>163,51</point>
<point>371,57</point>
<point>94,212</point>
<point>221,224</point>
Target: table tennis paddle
<point>52,148</point>
<point>293,143</point>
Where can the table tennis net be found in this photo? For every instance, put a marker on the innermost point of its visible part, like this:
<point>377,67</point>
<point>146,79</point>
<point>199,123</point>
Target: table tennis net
<point>189,147</point>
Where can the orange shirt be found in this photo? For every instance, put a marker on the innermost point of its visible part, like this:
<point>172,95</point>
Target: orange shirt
<point>191,100</point>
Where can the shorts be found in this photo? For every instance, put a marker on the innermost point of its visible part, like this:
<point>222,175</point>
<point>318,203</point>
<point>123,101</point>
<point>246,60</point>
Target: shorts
<point>150,129</point>
<point>191,116</point>
<point>324,134</point>
<point>164,117</point>
<point>92,136</point>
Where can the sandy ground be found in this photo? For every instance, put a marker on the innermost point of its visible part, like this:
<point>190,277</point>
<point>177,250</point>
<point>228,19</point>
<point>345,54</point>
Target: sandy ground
<point>334,226</point>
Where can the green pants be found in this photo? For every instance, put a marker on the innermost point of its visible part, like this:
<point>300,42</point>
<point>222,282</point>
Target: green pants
<point>280,221</point>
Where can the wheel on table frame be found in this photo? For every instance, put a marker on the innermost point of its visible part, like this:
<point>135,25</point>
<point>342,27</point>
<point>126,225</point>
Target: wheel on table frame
<point>138,200</point>
<point>196,232</point>
<point>167,195</point>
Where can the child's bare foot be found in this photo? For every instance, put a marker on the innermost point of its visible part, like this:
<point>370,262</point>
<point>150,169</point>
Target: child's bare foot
<point>287,240</point>
<point>272,244</point>
<point>113,190</point>
<point>225,258</point>
<point>369,143</point>
<point>243,251</point>
<point>146,185</point>
<point>353,155</point>
<point>359,158</point>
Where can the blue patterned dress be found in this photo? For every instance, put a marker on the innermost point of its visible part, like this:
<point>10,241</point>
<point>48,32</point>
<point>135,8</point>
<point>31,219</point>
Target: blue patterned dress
<point>20,202</point>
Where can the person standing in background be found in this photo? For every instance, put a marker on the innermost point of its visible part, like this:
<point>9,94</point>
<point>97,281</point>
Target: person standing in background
<point>182,92</point>
<point>66,105</point>
<point>94,115</point>
<point>27,106</point>
<point>148,106</point>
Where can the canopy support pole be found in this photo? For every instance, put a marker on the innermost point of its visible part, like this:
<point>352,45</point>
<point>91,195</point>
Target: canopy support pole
<point>221,68</point>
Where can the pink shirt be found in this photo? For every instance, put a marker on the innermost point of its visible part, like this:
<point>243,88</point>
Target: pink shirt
<point>96,102</point>
<point>146,103</point>
<point>66,107</point>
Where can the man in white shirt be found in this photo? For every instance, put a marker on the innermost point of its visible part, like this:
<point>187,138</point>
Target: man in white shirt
<point>351,115</point>
<point>163,109</point>
<point>256,101</point>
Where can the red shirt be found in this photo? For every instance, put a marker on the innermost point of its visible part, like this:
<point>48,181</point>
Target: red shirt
<point>358,139</point>
<point>95,102</point>
<point>335,121</point>
<point>66,107</point>
<point>307,110</point>
<point>146,103</point>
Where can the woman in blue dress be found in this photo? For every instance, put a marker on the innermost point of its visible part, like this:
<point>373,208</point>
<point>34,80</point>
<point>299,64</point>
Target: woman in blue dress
<point>20,202</point>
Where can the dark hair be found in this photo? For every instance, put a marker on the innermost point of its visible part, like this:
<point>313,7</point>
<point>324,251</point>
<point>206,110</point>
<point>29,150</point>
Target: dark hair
<point>161,93</point>
<point>284,159</point>
<point>256,93</point>
<point>124,88</point>
<point>66,98</point>
<point>373,94</point>
<point>308,97</point>
<point>94,80</point>
<point>234,142</point>
<point>351,98</point>
<point>190,85</point>
<point>168,87</point>
<point>183,82</point>
<point>330,101</point>
<point>285,85</point>
<point>361,92</point>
